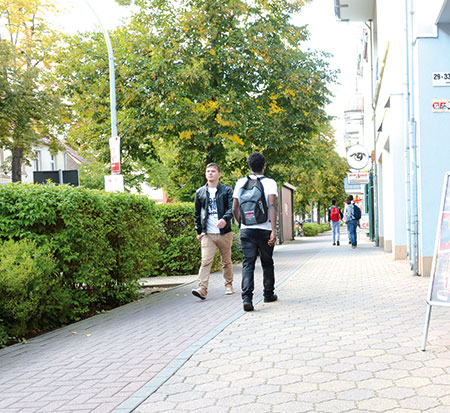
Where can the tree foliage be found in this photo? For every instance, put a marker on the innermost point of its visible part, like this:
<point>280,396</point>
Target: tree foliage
<point>209,80</point>
<point>30,104</point>
<point>319,176</point>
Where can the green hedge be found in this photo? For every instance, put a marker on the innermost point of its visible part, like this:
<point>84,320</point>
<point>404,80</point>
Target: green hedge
<point>313,229</point>
<point>33,297</point>
<point>86,251</point>
<point>102,242</point>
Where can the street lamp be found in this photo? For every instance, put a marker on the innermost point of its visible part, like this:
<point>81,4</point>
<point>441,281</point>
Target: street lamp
<point>115,181</point>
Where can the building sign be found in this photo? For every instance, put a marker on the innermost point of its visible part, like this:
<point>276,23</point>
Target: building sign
<point>357,157</point>
<point>440,105</point>
<point>441,78</point>
<point>357,178</point>
<point>114,148</point>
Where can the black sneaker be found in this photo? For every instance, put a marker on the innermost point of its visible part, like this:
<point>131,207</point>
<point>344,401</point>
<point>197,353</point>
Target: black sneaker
<point>271,299</point>
<point>334,243</point>
<point>337,243</point>
<point>248,306</point>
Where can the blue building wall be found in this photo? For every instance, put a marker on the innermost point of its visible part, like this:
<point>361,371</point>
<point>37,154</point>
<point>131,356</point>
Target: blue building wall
<point>433,133</point>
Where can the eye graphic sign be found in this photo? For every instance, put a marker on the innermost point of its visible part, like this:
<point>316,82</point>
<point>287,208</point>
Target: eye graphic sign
<point>357,157</point>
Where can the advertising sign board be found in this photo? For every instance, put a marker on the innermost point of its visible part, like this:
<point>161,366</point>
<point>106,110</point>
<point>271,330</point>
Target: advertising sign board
<point>439,288</point>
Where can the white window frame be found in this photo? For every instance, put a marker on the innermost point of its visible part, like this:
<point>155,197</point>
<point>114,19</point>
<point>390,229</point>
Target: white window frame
<point>37,161</point>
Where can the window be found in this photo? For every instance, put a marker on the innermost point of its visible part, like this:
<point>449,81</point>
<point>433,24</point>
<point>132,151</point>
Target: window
<point>52,162</point>
<point>37,161</point>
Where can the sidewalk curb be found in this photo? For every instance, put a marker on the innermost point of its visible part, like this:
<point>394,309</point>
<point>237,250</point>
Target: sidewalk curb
<point>135,400</point>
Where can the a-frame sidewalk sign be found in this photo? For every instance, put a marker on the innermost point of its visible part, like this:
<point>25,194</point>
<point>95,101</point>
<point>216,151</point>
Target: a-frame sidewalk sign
<point>439,289</point>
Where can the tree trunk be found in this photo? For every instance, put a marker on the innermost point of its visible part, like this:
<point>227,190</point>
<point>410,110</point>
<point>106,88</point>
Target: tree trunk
<point>318,212</point>
<point>16,165</point>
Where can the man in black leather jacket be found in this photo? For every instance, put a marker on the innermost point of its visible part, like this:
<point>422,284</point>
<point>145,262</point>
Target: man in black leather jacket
<point>213,214</point>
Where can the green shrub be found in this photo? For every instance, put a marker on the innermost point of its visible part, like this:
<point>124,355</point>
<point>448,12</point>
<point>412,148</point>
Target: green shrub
<point>32,293</point>
<point>324,227</point>
<point>310,230</point>
<point>102,242</point>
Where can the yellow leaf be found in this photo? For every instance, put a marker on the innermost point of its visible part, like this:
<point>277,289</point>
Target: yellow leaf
<point>186,134</point>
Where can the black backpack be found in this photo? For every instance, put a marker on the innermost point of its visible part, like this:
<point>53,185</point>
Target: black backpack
<point>356,212</point>
<point>252,202</point>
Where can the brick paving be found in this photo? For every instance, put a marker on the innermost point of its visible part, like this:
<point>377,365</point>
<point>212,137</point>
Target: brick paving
<point>344,336</point>
<point>97,364</point>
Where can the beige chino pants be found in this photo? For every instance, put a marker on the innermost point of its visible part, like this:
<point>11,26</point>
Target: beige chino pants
<point>210,243</point>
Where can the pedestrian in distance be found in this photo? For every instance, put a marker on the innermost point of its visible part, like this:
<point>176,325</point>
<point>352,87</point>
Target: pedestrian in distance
<point>345,211</point>
<point>255,208</point>
<point>352,216</point>
<point>213,215</point>
<point>334,217</point>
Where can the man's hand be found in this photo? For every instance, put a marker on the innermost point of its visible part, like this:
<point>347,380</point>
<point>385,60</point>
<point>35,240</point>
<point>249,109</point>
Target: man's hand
<point>272,239</point>
<point>200,236</point>
<point>221,224</point>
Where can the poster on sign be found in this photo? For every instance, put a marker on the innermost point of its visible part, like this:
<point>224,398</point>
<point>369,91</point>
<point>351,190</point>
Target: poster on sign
<point>114,148</point>
<point>440,277</point>
<point>439,288</point>
<point>364,222</point>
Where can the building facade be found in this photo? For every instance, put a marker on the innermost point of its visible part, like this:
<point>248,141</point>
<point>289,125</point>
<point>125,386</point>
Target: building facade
<point>406,118</point>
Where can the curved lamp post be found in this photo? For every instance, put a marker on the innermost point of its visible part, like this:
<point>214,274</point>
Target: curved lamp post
<point>114,142</point>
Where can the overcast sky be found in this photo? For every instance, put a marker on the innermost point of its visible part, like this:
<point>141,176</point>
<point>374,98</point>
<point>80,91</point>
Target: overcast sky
<point>327,34</point>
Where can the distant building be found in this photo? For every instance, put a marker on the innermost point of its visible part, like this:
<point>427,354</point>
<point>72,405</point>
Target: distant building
<point>41,160</point>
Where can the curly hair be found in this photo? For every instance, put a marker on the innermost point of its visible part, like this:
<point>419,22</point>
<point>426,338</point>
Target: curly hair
<point>256,162</point>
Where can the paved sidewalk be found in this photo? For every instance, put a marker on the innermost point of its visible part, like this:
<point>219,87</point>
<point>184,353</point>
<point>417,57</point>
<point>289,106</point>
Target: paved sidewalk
<point>104,362</point>
<point>344,336</point>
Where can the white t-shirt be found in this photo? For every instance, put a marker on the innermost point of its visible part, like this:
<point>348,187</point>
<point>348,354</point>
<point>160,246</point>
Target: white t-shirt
<point>270,188</point>
<point>213,216</point>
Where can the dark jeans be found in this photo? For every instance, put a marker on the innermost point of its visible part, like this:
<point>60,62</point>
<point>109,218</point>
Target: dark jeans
<point>252,242</point>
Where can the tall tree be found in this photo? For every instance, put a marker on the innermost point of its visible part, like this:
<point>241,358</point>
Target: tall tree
<point>319,174</point>
<point>30,105</point>
<point>214,80</point>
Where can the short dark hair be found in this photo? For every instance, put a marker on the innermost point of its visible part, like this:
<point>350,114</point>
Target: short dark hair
<point>350,197</point>
<point>256,162</point>
<point>333,202</point>
<point>213,165</point>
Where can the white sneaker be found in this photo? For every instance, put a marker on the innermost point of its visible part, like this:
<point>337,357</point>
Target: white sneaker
<point>229,290</point>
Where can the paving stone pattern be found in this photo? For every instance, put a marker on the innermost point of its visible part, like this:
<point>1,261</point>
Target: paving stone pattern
<point>97,364</point>
<point>344,336</point>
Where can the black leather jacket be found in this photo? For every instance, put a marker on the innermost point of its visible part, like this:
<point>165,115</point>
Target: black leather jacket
<point>224,197</point>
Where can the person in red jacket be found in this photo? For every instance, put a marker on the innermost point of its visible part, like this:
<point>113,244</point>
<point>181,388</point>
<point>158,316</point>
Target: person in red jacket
<point>334,217</point>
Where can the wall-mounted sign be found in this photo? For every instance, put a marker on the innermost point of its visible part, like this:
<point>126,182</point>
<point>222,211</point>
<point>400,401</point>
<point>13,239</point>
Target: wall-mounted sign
<point>357,157</point>
<point>355,178</point>
<point>440,105</point>
<point>441,78</point>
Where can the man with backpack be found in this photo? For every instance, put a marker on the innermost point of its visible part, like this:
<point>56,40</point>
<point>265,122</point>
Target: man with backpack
<point>213,214</point>
<point>255,207</point>
<point>352,216</point>
<point>335,216</point>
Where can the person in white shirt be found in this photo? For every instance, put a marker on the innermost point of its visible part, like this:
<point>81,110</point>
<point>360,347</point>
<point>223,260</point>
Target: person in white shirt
<point>257,237</point>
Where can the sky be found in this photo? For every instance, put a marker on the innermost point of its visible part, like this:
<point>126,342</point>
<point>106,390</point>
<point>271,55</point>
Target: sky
<point>327,34</point>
